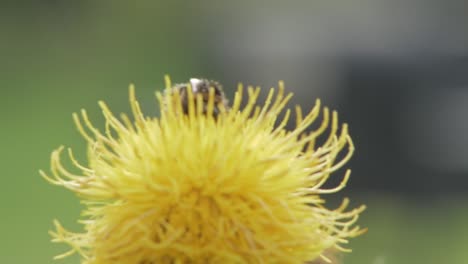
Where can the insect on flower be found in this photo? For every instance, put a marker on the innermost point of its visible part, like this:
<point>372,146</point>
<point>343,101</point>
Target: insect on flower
<point>181,188</point>
<point>201,88</point>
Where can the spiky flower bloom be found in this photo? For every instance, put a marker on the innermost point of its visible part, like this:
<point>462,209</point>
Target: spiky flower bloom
<point>191,188</point>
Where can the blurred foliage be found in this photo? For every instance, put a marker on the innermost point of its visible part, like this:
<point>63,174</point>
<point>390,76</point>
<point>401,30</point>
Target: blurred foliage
<point>60,57</point>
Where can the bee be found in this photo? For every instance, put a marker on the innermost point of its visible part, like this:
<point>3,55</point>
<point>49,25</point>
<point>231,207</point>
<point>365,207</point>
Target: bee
<point>202,87</point>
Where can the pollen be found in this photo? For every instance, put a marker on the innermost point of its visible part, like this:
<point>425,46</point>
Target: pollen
<point>193,187</point>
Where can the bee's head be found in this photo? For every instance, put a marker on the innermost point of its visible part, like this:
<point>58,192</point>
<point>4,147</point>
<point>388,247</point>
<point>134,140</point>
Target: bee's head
<point>203,86</point>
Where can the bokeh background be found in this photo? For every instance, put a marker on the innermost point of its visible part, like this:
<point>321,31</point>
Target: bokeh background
<point>397,72</point>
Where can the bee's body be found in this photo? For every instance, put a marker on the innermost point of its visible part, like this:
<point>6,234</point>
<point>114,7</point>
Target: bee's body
<point>202,87</point>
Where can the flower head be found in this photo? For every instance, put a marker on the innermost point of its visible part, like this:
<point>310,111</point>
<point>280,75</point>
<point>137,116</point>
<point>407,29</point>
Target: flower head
<point>191,187</point>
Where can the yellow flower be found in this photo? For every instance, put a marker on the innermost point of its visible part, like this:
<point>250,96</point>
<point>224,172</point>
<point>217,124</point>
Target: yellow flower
<point>191,188</point>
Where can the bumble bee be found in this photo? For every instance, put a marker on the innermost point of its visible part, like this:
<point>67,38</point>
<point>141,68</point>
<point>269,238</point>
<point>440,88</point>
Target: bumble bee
<point>202,87</point>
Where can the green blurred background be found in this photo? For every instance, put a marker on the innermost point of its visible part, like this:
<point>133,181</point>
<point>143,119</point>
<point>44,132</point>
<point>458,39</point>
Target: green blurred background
<point>382,65</point>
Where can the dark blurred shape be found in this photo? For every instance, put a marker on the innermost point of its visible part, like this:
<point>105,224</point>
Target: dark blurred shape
<point>411,137</point>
